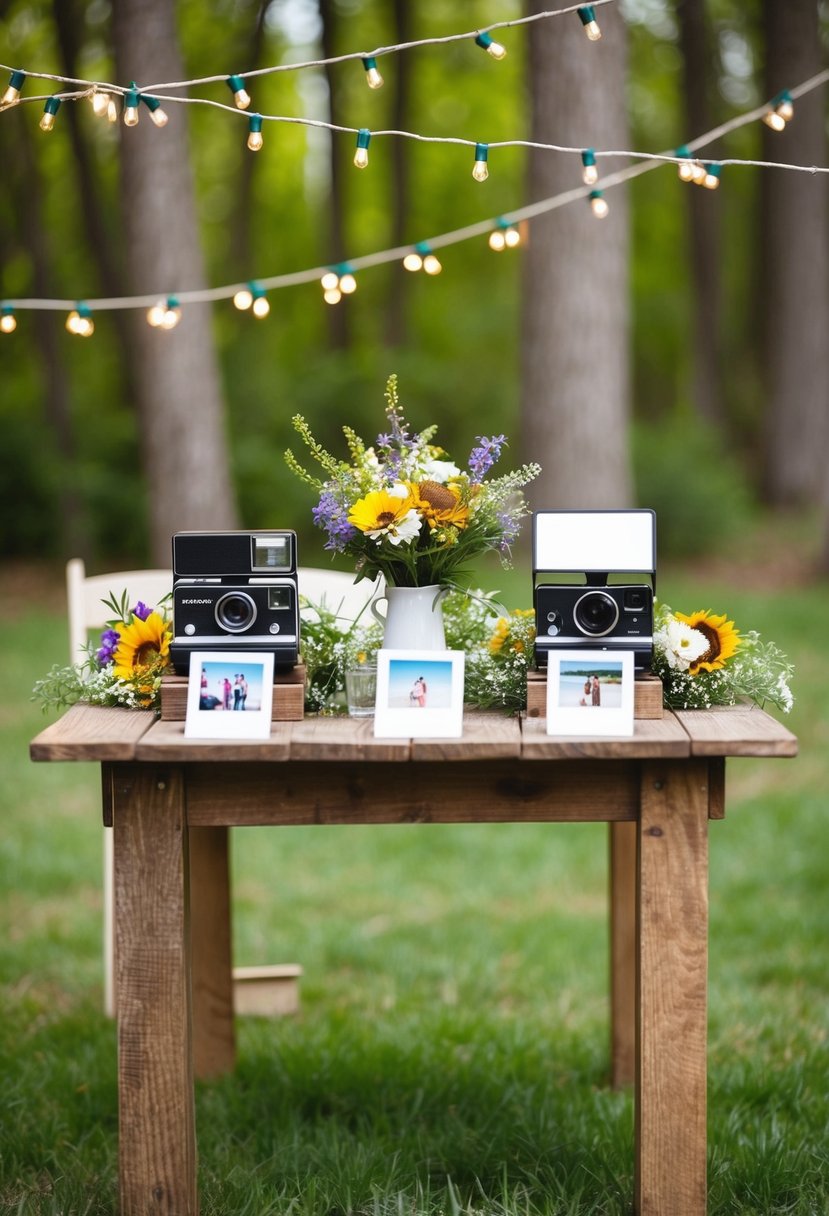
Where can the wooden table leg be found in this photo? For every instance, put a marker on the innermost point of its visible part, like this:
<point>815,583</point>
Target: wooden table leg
<point>214,1042</point>
<point>157,1138</point>
<point>622,953</point>
<point>672,955</point>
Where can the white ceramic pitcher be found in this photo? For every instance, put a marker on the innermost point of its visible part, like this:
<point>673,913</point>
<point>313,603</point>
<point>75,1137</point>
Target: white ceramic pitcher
<point>413,619</point>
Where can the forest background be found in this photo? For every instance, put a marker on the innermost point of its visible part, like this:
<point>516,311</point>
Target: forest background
<point>699,316</point>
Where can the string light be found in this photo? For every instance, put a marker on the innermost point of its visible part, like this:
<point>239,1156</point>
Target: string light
<point>47,118</point>
<point>422,258</point>
<point>780,111</point>
<point>131,100</point>
<point>480,170</point>
<point>711,180</point>
<point>590,172</point>
<point>598,204</point>
<point>504,235</point>
<point>337,283</point>
<point>8,321</point>
<point>361,154</point>
<point>165,314</point>
<point>103,105</point>
<point>160,117</point>
<point>255,136</point>
<point>12,93</point>
<point>254,297</point>
<point>685,169</point>
<point>373,78</point>
<point>79,322</point>
<point>491,47</point>
<point>241,97</point>
<point>587,17</point>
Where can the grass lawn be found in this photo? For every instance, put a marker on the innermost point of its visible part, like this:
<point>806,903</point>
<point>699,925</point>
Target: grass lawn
<point>452,1050</point>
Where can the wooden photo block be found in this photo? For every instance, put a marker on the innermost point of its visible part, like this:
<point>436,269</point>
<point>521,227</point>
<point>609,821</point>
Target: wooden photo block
<point>288,696</point>
<point>647,695</point>
<point>266,992</point>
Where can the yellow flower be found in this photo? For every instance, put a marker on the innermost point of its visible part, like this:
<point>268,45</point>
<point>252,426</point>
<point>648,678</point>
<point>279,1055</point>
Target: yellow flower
<point>500,635</point>
<point>723,639</point>
<point>141,642</point>
<point>440,504</point>
<point>381,513</point>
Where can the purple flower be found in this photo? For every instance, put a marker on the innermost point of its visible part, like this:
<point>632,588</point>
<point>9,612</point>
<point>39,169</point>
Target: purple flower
<point>109,644</point>
<point>483,457</point>
<point>332,516</point>
<point>141,611</point>
<point>509,530</point>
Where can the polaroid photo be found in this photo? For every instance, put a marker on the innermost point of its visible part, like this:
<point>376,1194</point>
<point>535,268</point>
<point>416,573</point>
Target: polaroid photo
<point>229,695</point>
<point>590,692</point>
<point>419,694</point>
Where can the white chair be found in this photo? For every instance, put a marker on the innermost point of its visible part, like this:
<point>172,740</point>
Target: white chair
<point>334,589</point>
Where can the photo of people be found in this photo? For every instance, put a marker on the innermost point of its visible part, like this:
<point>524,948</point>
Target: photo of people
<point>419,684</point>
<point>225,689</point>
<point>590,685</point>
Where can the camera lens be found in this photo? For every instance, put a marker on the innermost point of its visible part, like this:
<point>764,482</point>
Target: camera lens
<point>596,613</point>
<point>235,612</point>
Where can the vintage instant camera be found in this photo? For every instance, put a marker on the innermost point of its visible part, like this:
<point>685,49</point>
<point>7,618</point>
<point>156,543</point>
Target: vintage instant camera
<point>235,591</point>
<point>611,609</point>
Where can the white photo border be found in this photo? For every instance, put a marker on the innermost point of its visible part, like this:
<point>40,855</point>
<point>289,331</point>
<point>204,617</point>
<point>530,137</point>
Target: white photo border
<point>413,721</point>
<point>247,724</point>
<point>589,720</point>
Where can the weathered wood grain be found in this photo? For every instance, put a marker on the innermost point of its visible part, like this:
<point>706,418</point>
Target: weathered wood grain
<point>737,730</point>
<point>486,736</point>
<point>214,1039</point>
<point>658,737</point>
<point>165,743</point>
<point>622,840</point>
<point>157,1140</point>
<point>672,931</point>
<point>332,738</point>
<point>92,732</point>
<point>494,791</point>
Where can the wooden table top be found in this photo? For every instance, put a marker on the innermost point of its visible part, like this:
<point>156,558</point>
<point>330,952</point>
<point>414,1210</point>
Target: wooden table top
<point>89,732</point>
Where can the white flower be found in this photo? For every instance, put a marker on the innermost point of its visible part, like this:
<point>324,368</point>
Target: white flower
<point>681,644</point>
<point>439,470</point>
<point>402,531</point>
<point>785,694</point>
<point>398,490</point>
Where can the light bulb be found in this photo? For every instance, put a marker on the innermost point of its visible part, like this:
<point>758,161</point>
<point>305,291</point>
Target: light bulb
<point>685,168</point>
<point>112,110</point>
<point>261,306</point>
<point>373,78</point>
<point>330,280</point>
<point>155,315</point>
<point>172,313</point>
<point>80,323</point>
<point>492,48</point>
<point>412,261</point>
<point>497,241</point>
<point>100,104</point>
<point>512,237</point>
<point>431,265</point>
<point>243,298</point>
<point>8,321</point>
<point>698,173</point>
<point>160,117</point>
<point>591,25</point>
<point>47,118</point>
<point>774,120</point>
<point>480,171</point>
<point>332,295</point>
<point>785,107</point>
<point>347,284</point>
<point>241,97</point>
<point>712,177</point>
<point>131,100</point>
<point>598,204</point>
<point>590,172</point>
<point>255,137</point>
<point>361,155</point>
<point>12,93</point>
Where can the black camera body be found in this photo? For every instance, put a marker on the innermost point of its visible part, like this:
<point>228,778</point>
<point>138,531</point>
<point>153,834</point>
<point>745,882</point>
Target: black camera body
<point>235,591</point>
<point>610,610</point>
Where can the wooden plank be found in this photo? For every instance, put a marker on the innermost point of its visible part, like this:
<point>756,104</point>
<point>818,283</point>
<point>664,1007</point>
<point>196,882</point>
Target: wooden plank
<point>736,730</point>
<point>157,1139</point>
<point>92,732</point>
<point>214,1039</point>
<point>266,992</point>
<point>672,932</point>
<point>486,736</point>
<point>622,840</point>
<point>493,791</point>
<point>651,738</point>
<point>342,738</point>
<point>165,743</point>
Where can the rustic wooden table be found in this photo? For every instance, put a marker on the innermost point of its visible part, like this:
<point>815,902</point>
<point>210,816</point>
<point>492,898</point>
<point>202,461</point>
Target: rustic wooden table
<point>172,800</point>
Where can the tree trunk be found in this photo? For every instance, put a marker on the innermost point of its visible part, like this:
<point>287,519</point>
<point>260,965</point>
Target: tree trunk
<point>180,404</point>
<point>575,341</point>
<point>338,327</point>
<point>704,217</point>
<point>796,249</point>
<point>400,176</point>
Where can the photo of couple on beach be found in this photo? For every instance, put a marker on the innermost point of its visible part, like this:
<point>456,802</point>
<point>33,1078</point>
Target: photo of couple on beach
<point>590,685</point>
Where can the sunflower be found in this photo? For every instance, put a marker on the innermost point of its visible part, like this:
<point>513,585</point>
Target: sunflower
<point>140,645</point>
<point>723,640</point>
<point>382,515</point>
<point>440,504</point>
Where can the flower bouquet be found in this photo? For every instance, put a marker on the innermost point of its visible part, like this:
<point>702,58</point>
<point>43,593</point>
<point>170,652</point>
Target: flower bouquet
<point>124,669</point>
<point>403,509</point>
<point>703,660</point>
